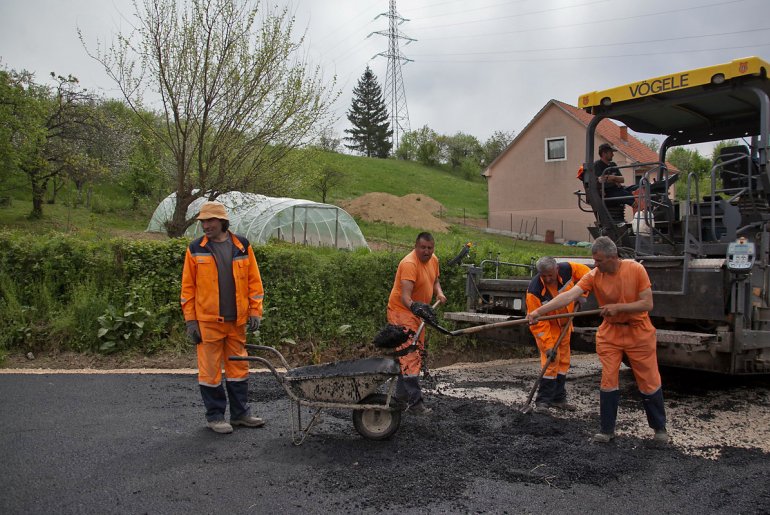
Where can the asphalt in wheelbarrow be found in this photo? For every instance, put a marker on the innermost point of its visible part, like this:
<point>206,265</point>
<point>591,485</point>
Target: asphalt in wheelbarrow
<point>349,368</point>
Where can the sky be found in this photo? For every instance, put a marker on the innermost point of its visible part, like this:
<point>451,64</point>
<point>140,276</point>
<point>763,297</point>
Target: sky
<point>476,67</point>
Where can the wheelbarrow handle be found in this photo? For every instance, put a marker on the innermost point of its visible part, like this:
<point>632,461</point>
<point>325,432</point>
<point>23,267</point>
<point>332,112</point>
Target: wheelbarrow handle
<point>272,369</point>
<point>269,349</point>
<point>509,323</point>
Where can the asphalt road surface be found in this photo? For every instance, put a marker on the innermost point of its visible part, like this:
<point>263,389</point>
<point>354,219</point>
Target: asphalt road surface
<point>134,443</point>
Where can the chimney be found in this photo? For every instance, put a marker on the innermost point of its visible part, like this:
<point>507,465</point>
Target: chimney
<point>624,133</point>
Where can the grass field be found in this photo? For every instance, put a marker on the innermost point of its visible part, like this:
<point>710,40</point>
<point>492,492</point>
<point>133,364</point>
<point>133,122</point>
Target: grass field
<point>364,175</point>
<point>111,215</point>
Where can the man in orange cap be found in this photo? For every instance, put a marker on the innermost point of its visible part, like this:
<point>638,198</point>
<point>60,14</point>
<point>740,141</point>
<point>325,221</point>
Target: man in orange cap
<point>623,290</point>
<point>221,299</point>
<point>417,280</point>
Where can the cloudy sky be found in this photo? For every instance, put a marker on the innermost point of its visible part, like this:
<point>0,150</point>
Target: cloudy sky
<point>478,66</point>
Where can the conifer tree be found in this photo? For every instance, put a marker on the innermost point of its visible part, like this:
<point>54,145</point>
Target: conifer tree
<point>371,131</point>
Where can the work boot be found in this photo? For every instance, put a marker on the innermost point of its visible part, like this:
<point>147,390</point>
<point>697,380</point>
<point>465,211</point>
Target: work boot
<point>419,408</point>
<point>603,437</point>
<point>661,436</point>
<point>546,391</point>
<point>220,426</point>
<point>542,407</point>
<point>247,421</point>
<point>656,412</point>
<point>608,411</point>
<point>408,389</point>
<point>560,393</point>
<point>563,405</point>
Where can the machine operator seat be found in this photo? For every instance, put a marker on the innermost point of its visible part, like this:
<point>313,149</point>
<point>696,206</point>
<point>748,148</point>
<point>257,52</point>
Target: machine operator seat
<point>735,175</point>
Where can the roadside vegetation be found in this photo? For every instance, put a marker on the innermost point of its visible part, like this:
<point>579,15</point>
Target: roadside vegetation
<point>87,278</point>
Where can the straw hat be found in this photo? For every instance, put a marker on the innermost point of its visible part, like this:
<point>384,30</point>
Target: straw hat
<point>213,209</point>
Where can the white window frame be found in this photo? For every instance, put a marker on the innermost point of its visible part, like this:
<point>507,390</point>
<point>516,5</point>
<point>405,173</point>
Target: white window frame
<point>559,138</point>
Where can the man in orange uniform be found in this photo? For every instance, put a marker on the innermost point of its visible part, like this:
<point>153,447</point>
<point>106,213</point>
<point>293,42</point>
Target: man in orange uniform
<point>553,278</point>
<point>222,297</point>
<point>417,280</point>
<point>623,290</point>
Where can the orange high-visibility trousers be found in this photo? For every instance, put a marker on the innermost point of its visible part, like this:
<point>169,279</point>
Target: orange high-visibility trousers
<point>411,363</point>
<point>219,341</point>
<point>560,364</point>
<point>638,341</point>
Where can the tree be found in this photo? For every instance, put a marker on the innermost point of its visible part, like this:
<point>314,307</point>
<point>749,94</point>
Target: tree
<point>689,161</point>
<point>494,146</point>
<point>51,131</point>
<point>370,134</point>
<point>327,179</point>
<point>233,92</point>
<point>421,145</point>
<point>722,144</point>
<point>328,140</point>
<point>146,168</point>
<point>653,144</point>
<point>455,149</point>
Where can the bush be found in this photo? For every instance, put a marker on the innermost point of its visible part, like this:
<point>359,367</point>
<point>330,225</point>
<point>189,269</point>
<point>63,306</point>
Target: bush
<point>62,293</point>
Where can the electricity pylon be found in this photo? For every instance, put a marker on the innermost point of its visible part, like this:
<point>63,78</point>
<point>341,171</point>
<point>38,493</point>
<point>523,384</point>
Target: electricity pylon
<point>394,82</point>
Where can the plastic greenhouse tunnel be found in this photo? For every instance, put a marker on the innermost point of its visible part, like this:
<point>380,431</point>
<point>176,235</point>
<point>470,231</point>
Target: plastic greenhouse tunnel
<point>260,218</point>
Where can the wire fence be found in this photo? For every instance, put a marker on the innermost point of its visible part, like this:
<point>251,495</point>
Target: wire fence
<point>550,230</point>
<point>462,216</point>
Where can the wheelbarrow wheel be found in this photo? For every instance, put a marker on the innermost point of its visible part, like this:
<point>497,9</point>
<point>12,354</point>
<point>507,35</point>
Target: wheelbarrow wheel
<point>376,424</point>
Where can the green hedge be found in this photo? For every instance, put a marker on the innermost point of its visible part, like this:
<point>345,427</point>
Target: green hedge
<point>60,292</point>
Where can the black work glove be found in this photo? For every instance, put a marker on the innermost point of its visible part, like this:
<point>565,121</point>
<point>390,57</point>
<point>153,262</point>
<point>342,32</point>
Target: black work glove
<point>551,353</point>
<point>252,326</point>
<point>193,331</point>
<point>423,311</point>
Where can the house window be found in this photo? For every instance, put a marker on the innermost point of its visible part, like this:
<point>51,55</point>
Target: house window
<point>556,149</point>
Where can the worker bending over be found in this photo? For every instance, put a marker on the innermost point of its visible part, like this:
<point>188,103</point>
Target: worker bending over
<point>553,278</point>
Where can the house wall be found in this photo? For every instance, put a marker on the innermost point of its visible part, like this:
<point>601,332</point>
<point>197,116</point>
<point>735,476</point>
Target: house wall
<point>529,196</point>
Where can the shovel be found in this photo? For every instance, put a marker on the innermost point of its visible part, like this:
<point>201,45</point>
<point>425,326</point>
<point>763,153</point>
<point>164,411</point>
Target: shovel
<point>506,323</point>
<point>425,370</point>
<point>527,407</point>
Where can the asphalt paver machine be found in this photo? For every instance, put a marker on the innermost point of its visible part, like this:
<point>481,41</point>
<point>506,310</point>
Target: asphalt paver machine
<point>706,249</point>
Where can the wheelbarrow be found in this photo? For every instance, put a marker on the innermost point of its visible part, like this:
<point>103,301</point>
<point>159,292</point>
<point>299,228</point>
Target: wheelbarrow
<point>352,384</point>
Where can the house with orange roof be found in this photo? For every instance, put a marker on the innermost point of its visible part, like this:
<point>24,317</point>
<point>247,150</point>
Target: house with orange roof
<point>532,183</point>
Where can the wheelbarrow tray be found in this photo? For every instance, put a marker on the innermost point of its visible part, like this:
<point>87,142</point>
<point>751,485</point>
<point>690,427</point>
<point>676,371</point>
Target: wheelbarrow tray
<point>340,382</point>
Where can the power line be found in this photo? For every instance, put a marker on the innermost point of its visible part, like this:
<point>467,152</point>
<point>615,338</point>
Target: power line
<point>604,45</point>
<point>412,8</point>
<point>583,58</point>
<point>592,22</point>
<point>552,9</point>
<point>346,38</point>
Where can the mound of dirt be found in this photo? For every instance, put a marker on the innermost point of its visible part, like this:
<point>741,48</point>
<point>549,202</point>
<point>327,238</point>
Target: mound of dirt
<point>430,205</point>
<point>413,210</point>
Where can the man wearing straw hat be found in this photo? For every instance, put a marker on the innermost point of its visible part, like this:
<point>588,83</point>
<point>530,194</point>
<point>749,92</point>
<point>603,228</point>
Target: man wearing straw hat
<point>221,299</point>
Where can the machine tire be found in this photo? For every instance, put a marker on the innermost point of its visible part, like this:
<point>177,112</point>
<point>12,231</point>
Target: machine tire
<point>376,424</point>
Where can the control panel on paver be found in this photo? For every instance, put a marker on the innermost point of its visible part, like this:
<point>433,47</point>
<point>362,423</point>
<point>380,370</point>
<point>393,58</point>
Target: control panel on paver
<point>740,255</point>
